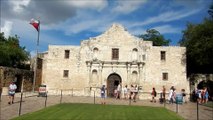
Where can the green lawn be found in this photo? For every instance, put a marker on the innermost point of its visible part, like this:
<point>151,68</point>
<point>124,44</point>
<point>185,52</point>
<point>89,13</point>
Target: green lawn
<point>100,112</point>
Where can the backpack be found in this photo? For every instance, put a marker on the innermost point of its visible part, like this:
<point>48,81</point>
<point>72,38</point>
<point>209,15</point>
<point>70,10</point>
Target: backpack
<point>102,90</point>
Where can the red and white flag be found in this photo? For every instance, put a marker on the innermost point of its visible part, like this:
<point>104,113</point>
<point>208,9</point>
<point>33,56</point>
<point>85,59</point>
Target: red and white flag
<point>35,24</point>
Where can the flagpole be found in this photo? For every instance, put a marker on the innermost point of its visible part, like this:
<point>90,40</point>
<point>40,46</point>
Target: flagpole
<point>36,59</point>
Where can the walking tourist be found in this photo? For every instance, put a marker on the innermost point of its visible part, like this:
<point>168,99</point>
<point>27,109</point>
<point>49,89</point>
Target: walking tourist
<point>174,95</point>
<point>103,91</point>
<point>199,95</point>
<point>12,90</point>
<point>125,92</point>
<point>115,92</point>
<point>131,92</point>
<point>164,93</point>
<point>135,93</point>
<point>184,95</point>
<point>118,91</point>
<point>206,95</point>
<point>171,94</point>
<point>154,94</point>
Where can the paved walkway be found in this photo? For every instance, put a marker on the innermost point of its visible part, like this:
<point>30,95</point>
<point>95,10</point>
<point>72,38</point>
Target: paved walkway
<point>34,103</point>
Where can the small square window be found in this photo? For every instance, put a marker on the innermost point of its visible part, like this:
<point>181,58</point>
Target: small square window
<point>115,54</point>
<point>163,55</point>
<point>66,73</point>
<point>67,54</point>
<point>165,76</point>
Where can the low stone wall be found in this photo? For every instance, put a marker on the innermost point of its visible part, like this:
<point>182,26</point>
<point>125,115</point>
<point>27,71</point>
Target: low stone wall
<point>23,79</point>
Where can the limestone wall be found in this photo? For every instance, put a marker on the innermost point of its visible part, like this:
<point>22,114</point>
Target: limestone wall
<point>91,64</point>
<point>23,79</point>
<point>174,65</point>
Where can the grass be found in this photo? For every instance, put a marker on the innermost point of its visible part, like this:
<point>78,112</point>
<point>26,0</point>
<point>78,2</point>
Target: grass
<point>73,111</point>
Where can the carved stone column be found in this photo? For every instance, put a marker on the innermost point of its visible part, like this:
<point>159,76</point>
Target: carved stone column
<point>89,72</point>
<point>139,71</point>
<point>100,73</point>
<point>128,67</point>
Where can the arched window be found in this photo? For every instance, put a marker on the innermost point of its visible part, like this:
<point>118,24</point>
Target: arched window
<point>134,54</point>
<point>95,53</point>
<point>95,49</point>
<point>135,49</point>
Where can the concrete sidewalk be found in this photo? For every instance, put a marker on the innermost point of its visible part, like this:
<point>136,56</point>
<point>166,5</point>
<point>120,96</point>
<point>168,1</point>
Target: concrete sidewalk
<point>33,103</point>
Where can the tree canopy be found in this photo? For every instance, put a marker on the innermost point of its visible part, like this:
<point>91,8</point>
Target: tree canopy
<point>198,40</point>
<point>155,36</point>
<point>11,53</point>
<point>210,11</point>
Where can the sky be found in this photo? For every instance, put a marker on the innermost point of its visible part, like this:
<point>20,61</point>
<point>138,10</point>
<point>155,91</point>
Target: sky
<point>68,22</point>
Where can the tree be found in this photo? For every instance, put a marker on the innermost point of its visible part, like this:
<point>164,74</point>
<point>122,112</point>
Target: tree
<point>155,36</point>
<point>198,40</point>
<point>210,11</point>
<point>11,53</point>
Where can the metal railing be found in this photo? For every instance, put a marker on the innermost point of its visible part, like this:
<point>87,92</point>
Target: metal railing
<point>71,96</point>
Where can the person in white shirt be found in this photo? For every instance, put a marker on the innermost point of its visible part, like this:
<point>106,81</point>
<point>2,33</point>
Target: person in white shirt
<point>135,93</point>
<point>11,92</point>
<point>125,92</point>
<point>171,94</point>
<point>118,91</point>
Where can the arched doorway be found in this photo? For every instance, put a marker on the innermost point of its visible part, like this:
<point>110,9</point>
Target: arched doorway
<point>112,82</point>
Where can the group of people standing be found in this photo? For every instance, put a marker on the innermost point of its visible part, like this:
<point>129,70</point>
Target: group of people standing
<point>162,95</point>
<point>130,93</point>
<point>202,95</point>
<point>171,96</point>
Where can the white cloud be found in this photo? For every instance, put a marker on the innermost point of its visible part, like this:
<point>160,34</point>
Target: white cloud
<point>85,22</point>
<point>125,6</point>
<point>49,11</point>
<point>97,4</point>
<point>89,25</point>
<point>7,28</point>
<point>167,29</point>
<point>81,26</point>
<point>28,36</point>
<point>19,5</point>
<point>167,17</point>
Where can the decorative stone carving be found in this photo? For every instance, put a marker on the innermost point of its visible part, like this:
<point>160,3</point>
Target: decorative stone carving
<point>146,62</point>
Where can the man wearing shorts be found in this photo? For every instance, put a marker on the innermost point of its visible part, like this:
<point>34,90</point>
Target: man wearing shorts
<point>103,89</point>
<point>11,92</point>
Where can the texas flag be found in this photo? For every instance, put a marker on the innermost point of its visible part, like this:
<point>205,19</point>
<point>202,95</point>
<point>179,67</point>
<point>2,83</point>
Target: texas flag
<point>35,24</point>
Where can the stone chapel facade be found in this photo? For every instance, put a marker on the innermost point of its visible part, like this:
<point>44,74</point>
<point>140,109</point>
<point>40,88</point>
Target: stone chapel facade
<point>111,58</point>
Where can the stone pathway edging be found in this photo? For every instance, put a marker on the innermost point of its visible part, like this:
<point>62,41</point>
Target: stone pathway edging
<point>34,103</point>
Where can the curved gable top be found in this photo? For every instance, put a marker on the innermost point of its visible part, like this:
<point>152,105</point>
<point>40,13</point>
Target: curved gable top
<point>116,33</point>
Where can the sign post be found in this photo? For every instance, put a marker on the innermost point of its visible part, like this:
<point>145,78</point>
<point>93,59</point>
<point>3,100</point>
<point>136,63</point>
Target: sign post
<point>179,100</point>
